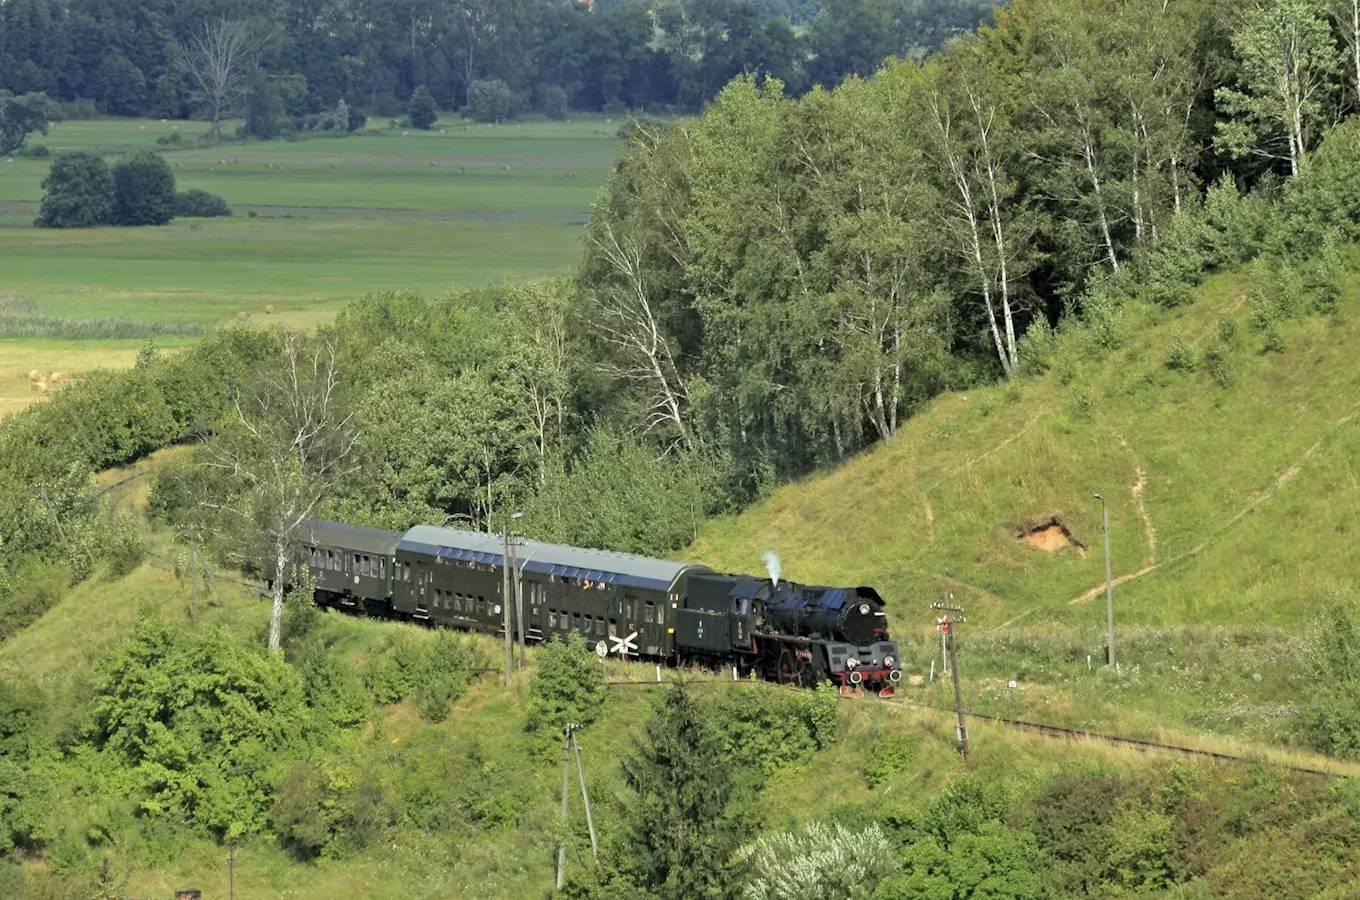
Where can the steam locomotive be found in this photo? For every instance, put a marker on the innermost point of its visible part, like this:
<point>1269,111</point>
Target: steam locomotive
<point>625,604</point>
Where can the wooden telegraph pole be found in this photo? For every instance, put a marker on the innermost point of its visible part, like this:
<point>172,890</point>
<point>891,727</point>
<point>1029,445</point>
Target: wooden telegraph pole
<point>505,599</point>
<point>947,627</point>
<point>570,747</point>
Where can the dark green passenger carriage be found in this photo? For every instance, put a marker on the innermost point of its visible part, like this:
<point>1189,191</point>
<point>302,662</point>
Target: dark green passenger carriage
<point>353,566</point>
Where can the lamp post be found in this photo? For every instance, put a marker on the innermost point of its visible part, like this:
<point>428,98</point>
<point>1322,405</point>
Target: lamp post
<point>1109,586</point>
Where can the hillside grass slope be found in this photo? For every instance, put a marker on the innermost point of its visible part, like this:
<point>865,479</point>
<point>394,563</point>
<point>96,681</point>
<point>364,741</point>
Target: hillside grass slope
<point>1233,511</point>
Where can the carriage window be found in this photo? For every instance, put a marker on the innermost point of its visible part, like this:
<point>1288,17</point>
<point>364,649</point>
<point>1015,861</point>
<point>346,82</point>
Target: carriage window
<point>648,612</point>
<point>599,624</point>
<point>406,572</point>
<point>357,561</point>
<point>552,618</point>
<point>575,621</point>
<point>613,628</point>
<point>382,567</point>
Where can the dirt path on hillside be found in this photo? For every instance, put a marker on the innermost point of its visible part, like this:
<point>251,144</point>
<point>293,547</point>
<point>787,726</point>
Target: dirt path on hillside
<point>1253,502</point>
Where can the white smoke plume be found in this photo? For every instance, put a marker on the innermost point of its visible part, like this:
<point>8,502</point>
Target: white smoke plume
<point>772,565</point>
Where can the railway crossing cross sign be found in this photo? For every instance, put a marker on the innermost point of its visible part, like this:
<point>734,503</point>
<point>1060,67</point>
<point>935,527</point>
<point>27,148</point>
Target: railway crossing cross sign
<point>625,645</point>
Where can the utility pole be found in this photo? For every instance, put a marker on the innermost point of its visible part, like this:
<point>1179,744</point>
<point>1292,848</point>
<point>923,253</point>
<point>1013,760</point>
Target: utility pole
<point>1109,587</point>
<point>572,747</point>
<point>585,795</point>
<point>947,628</point>
<point>519,599</point>
<point>231,872</point>
<point>505,599</point>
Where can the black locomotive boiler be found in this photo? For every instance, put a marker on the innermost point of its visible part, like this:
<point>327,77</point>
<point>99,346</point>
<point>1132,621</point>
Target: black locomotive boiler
<point>635,605</point>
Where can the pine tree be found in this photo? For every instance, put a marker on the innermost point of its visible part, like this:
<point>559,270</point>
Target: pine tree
<point>422,112</point>
<point>682,825</point>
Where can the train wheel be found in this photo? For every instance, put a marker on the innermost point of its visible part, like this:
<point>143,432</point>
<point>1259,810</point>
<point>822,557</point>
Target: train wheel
<point>788,670</point>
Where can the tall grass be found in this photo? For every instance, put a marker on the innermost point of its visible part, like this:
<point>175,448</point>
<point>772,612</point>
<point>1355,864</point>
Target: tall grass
<point>38,325</point>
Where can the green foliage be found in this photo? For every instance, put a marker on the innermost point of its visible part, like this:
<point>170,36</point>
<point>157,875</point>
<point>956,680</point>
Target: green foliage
<point>446,665</point>
<point>889,755</point>
<point>1102,310</point>
<point>1142,852</point>
<point>1218,362</point>
<point>1331,722</point>
<point>198,722</point>
<point>764,730</point>
<point>25,799</point>
<point>391,676</point>
<point>199,204</point>
<point>822,711</point>
<point>1072,816</point>
<point>21,116</point>
<point>144,190</point>
<point>1180,356</point>
<point>821,863</point>
<point>962,806</point>
<point>78,192</point>
<point>1325,197</point>
<point>1174,266</point>
<point>1236,226</point>
<point>995,862</point>
<point>422,111</point>
<point>333,690</point>
<point>34,588</point>
<point>681,825</point>
<point>567,688</point>
<point>490,100</point>
<point>332,810</point>
<point>555,102</point>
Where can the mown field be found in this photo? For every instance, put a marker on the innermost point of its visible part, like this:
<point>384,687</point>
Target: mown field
<point>315,222</point>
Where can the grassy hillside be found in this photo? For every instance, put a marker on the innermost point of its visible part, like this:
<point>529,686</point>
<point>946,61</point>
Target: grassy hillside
<point>1233,510</point>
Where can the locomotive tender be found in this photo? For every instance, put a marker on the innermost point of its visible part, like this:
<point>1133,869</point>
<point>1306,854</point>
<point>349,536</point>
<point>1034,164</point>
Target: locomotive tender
<point>674,611</point>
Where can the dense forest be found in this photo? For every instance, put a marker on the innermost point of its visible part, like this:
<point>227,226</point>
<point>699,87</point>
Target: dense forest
<point>131,57</point>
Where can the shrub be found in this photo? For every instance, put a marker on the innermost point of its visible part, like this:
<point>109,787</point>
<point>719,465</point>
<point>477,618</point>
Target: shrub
<point>422,111</point>
<point>197,721</point>
<point>446,666</point>
<point>568,686</point>
<point>36,588</point>
<point>123,545</point>
<point>822,862</point>
<point>332,689</point>
<point>889,755</point>
<point>1176,263</point>
<point>78,192</point>
<point>1331,724</point>
<point>555,102</point>
<point>144,190</point>
<point>1180,356</point>
<point>1102,313</point>
<point>1236,226</point>
<point>1325,196</point>
<point>331,809</point>
<point>1037,346</point>
<point>391,676</point>
<point>1218,362</point>
<point>37,151</point>
<point>199,204</point>
<point>357,119</point>
<point>490,100</point>
<point>21,116</point>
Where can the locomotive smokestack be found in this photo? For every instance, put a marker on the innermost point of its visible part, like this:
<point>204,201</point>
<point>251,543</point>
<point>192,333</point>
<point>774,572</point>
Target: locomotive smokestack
<point>772,566</point>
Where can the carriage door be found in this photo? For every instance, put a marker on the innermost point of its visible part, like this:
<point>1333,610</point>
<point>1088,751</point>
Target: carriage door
<point>537,595</point>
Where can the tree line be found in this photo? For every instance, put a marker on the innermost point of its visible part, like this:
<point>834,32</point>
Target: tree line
<point>789,278</point>
<point>137,57</point>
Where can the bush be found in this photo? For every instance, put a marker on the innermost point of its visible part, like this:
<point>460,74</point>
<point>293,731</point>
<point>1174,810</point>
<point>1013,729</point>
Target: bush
<point>1102,310</point>
<point>422,111</point>
<point>567,688</point>
<point>331,809</point>
<point>1325,196</point>
<point>446,666</point>
<point>1237,227</point>
<point>78,192</point>
<point>490,100</point>
<point>332,689</point>
<point>1218,362</point>
<point>1176,263</point>
<point>823,862</point>
<point>199,204</point>
<point>144,190</point>
<point>1331,724</point>
<point>889,755</point>
<point>21,116</point>
<point>198,722</point>
<point>555,102</point>
<point>1180,356</point>
<point>357,119</point>
<point>36,588</point>
<point>391,676</point>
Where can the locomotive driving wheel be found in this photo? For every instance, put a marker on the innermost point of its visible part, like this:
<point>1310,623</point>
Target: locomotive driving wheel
<point>788,668</point>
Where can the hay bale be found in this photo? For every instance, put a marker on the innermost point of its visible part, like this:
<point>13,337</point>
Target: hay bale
<point>271,310</point>
<point>38,387</point>
<point>243,315</point>
<point>59,378</point>
<point>35,375</point>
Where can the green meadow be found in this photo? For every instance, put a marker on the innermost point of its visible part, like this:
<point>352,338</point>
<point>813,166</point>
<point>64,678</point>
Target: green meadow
<point>315,223</point>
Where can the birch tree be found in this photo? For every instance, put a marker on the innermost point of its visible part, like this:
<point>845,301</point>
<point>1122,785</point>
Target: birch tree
<point>1289,59</point>
<point>220,57</point>
<point>287,442</point>
<point>968,142</point>
<point>1347,15</point>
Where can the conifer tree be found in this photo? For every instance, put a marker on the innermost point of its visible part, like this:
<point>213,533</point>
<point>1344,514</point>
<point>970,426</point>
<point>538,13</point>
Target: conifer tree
<point>682,825</point>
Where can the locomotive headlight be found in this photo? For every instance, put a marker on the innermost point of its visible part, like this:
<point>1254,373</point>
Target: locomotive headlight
<point>864,609</point>
<point>851,663</point>
<point>889,661</point>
